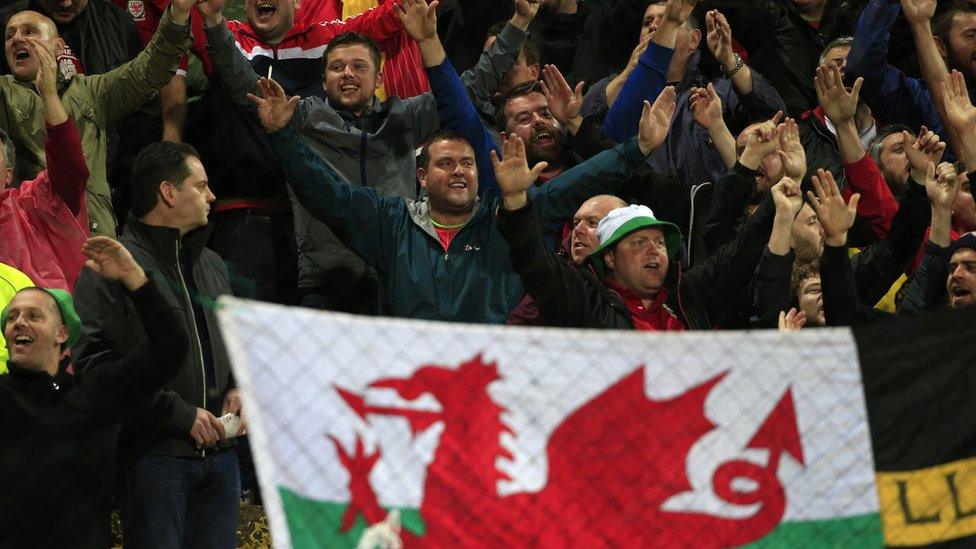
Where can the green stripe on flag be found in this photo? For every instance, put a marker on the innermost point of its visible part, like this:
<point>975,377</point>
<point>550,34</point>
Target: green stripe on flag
<point>314,523</point>
<point>859,531</point>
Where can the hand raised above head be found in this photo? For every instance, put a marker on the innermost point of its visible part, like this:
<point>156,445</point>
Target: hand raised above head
<point>274,107</point>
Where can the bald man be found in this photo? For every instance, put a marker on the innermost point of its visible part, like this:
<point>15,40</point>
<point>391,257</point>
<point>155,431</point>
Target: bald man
<point>582,241</point>
<point>95,102</point>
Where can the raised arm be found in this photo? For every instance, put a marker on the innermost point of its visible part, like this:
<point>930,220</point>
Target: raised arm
<point>123,90</point>
<point>228,61</point>
<point>878,205</point>
<point>557,200</point>
<point>358,215</point>
<point>123,384</point>
<point>649,76</point>
<point>66,166</point>
<point>483,79</point>
<point>453,104</point>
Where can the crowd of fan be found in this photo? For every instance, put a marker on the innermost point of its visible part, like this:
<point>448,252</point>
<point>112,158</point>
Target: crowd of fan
<point>620,164</point>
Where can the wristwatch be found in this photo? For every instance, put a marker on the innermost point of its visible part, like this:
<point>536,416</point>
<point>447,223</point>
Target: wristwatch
<point>736,67</point>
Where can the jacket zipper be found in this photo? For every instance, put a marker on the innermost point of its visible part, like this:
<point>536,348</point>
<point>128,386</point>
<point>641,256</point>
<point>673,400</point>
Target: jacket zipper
<point>196,333</point>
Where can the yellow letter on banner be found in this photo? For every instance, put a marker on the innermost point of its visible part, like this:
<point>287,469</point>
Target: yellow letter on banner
<point>928,505</point>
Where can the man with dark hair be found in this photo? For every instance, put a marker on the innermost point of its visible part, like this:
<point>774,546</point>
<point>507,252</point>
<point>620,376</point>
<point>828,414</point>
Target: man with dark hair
<point>58,431</point>
<point>887,149</point>
<point>44,222</point>
<point>367,141</point>
<point>179,481</point>
<point>442,257</point>
<point>94,102</point>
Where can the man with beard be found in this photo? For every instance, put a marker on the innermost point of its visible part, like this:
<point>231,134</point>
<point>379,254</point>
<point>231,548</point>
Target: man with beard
<point>442,257</point>
<point>945,268</point>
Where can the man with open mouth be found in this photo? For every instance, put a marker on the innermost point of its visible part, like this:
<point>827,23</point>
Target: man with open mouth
<point>58,432</point>
<point>94,102</point>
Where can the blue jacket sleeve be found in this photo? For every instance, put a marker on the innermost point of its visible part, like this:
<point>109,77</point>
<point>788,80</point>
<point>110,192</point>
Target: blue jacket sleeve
<point>558,199</point>
<point>894,97</point>
<point>646,82</point>
<point>359,216</point>
<point>458,114</point>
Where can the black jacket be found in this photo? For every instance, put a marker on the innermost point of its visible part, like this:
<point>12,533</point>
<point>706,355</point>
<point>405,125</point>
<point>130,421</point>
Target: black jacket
<point>782,46</point>
<point>568,295</point>
<point>58,435</point>
<point>110,329</point>
<point>873,270</point>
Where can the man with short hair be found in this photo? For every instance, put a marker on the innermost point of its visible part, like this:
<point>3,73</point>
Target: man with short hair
<point>94,102</point>
<point>887,149</point>
<point>367,141</point>
<point>629,281</point>
<point>59,431</point>
<point>442,257</point>
<point>44,221</point>
<point>179,481</point>
<point>580,243</point>
<point>835,53</point>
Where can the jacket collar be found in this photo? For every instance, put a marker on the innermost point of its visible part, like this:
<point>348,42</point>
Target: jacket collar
<point>38,380</point>
<point>163,240</point>
<point>419,211</point>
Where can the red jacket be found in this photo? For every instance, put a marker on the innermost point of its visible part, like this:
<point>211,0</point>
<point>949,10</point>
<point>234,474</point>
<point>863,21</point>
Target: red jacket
<point>656,317</point>
<point>44,222</point>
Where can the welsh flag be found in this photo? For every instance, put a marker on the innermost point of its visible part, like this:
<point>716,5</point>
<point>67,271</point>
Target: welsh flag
<point>373,432</point>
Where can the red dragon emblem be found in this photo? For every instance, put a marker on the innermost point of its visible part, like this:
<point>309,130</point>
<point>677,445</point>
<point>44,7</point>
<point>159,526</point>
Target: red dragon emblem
<point>612,463</point>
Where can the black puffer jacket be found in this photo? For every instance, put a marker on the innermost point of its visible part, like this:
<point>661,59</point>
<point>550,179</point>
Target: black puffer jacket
<point>110,328</point>
<point>58,434</point>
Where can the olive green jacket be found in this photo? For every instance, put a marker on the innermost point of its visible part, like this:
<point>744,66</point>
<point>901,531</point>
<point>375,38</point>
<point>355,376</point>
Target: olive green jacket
<point>96,103</point>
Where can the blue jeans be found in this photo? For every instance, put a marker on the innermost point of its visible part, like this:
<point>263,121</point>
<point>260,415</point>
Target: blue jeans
<point>170,503</point>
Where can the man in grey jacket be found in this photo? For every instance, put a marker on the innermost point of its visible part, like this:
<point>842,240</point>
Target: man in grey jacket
<point>179,482</point>
<point>370,143</point>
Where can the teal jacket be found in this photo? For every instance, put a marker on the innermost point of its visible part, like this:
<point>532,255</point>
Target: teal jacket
<point>471,281</point>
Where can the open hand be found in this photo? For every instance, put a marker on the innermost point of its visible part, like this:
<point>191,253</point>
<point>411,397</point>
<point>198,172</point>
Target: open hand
<point>655,120</point>
<point>960,112</point>
<point>112,261</point>
<point>719,38</point>
<point>47,71</point>
<point>564,102</point>
<point>275,109</point>
<point>512,172</point>
<point>835,216</point>
<point>838,104</point>
<point>791,151</point>
<point>419,19</point>
<point>706,107</point>
<point>792,321</point>
<point>678,11</point>
<point>918,11</point>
